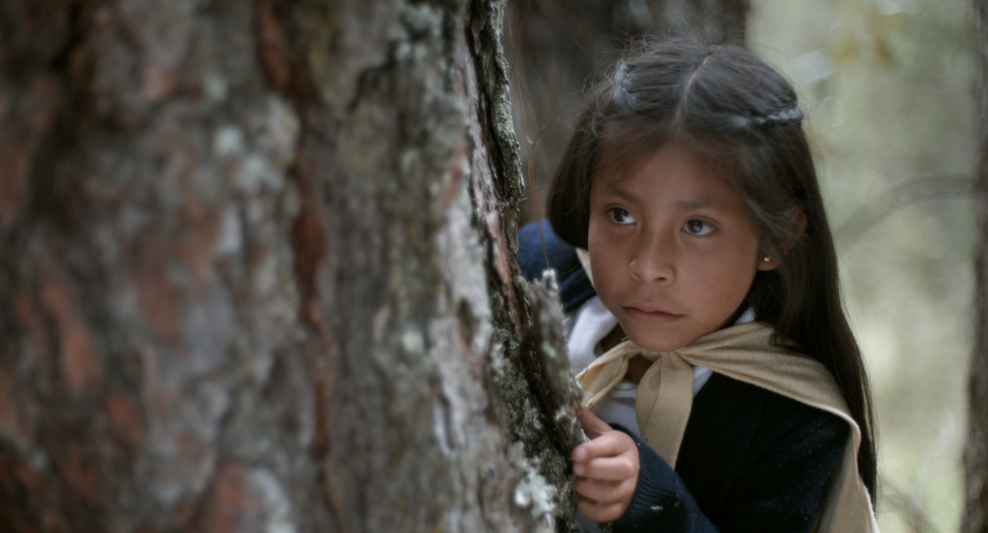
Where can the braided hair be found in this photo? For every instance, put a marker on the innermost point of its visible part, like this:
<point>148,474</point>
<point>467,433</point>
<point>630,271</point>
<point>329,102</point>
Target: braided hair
<point>743,118</point>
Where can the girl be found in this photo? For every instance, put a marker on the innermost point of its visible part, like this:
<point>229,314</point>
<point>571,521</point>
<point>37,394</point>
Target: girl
<point>699,276</point>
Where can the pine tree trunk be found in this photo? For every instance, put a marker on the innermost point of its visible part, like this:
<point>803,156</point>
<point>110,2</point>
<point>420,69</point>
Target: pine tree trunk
<point>257,271</point>
<point>975,517</point>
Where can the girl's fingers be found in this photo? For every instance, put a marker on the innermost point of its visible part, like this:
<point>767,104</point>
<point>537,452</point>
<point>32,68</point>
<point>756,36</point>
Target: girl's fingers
<point>606,474</point>
<point>592,425</point>
<point>604,492</point>
<point>608,468</point>
<point>600,512</point>
<point>608,444</point>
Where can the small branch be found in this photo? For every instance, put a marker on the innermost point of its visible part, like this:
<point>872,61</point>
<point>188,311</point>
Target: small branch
<point>921,187</point>
<point>912,511</point>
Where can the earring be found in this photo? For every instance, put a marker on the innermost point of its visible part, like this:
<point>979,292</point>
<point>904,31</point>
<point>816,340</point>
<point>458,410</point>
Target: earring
<point>766,259</point>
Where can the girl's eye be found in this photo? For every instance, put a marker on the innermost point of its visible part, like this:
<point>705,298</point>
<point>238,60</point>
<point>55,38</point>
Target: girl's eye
<point>621,216</point>
<point>698,227</point>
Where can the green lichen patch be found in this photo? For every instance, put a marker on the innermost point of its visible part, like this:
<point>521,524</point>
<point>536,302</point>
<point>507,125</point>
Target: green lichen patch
<point>538,400</point>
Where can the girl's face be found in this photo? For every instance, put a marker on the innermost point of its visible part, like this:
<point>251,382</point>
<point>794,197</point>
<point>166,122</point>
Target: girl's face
<point>673,249</point>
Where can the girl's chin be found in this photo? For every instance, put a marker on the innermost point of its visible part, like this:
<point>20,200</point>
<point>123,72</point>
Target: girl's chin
<point>667,338</point>
<point>660,343</point>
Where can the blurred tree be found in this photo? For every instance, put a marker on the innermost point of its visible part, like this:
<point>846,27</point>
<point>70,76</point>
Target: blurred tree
<point>256,270</point>
<point>975,518</point>
<point>558,45</point>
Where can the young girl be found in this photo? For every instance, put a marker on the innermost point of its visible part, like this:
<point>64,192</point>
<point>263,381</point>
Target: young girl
<point>699,276</point>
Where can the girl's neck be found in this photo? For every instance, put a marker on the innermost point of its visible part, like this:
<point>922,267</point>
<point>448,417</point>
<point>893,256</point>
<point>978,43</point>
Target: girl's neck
<point>637,366</point>
<point>612,339</point>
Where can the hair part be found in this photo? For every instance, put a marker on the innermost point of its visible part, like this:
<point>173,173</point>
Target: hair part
<point>742,117</point>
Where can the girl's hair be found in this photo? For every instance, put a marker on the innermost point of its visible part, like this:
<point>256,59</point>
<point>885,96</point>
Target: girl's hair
<point>742,117</point>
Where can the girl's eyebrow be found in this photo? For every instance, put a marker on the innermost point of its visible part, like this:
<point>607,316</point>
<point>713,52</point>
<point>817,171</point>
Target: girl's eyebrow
<point>700,203</point>
<point>614,187</point>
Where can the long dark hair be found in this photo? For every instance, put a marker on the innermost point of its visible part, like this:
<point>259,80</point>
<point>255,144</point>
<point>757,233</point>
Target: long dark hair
<point>741,116</point>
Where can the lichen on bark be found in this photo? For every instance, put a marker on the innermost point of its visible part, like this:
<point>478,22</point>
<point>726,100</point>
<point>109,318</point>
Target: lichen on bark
<point>528,414</point>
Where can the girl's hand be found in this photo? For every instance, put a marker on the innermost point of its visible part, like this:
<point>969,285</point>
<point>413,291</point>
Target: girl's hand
<point>605,469</point>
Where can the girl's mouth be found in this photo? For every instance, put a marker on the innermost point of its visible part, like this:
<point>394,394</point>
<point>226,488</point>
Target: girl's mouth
<point>654,317</point>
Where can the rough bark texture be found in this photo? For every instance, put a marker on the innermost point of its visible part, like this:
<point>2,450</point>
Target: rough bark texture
<point>558,46</point>
<point>975,517</point>
<point>256,268</point>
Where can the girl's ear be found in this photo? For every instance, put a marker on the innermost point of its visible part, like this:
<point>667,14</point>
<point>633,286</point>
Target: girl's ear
<point>795,228</point>
<point>767,262</point>
<point>795,225</point>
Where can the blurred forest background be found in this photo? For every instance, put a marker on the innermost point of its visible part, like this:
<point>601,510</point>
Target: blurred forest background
<point>888,86</point>
<point>888,90</point>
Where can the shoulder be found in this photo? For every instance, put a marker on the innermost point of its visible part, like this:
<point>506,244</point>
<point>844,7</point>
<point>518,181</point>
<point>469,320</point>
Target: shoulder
<point>749,448</point>
<point>765,418</point>
<point>574,286</point>
<point>751,460</point>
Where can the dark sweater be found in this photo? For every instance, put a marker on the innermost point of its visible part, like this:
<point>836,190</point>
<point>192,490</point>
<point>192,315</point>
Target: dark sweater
<point>751,460</point>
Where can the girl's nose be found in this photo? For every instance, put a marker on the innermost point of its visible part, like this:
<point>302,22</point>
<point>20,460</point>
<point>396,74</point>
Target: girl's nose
<point>653,260</point>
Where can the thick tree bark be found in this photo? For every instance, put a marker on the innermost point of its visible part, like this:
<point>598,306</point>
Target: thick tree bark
<point>257,274</point>
<point>975,518</point>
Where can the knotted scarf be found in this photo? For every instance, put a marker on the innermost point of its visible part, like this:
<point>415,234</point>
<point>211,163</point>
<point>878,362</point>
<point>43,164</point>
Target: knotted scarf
<point>745,353</point>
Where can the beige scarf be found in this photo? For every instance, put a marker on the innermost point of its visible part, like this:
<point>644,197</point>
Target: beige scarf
<point>743,352</point>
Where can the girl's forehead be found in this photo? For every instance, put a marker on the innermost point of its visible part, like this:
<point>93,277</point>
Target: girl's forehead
<point>672,156</point>
<point>676,176</point>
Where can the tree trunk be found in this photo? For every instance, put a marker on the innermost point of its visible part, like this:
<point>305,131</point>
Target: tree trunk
<point>975,517</point>
<point>256,268</point>
<point>558,46</point>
